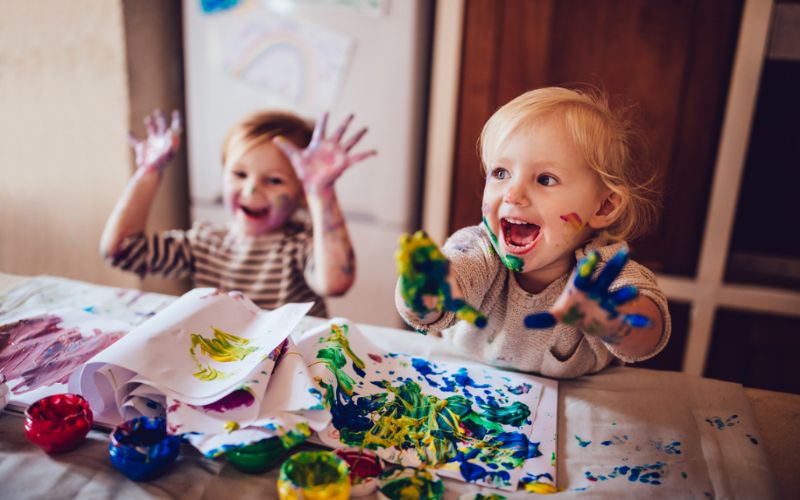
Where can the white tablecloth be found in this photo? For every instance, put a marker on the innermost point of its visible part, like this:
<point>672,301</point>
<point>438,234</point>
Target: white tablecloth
<point>616,429</point>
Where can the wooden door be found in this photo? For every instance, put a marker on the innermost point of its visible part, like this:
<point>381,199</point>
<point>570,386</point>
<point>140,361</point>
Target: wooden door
<point>673,59</point>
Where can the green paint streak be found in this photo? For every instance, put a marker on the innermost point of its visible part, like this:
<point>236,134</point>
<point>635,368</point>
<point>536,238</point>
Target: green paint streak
<point>573,316</point>
<point>423,270</point>
<point>295,436</point>
<point>335,361</point>
<point>420,485</point>
<point>223,348</point>
<point>511,261</point>
<point>339,336</point>
<point>207,374</point>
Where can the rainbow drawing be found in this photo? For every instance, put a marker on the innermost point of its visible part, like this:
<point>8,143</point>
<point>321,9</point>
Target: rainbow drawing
<point>270,57</point>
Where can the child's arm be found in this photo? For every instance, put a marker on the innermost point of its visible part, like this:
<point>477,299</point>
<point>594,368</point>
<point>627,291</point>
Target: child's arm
<point>319,166</point>
<point>425,283</point>
<point>152,156</point>
<point>622,318</point>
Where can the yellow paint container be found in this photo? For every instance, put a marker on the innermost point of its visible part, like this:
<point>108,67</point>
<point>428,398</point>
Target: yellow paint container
<point>314,475</point>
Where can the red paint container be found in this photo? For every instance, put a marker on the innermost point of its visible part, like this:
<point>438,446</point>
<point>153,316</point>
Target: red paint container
<point>58,423</point>
<point>365,466</point>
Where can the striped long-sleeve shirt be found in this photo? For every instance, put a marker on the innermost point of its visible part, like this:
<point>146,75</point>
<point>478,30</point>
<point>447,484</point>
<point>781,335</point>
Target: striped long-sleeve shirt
<point>269,269</point>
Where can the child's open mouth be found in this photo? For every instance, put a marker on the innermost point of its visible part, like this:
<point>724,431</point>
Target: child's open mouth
<point>518,235</point>
<point>255,213</point>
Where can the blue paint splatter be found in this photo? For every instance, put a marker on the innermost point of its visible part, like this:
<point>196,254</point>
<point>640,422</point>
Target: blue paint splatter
<point>581,442</point>
<point>645,474</point>
<point>672,448</point>
<point>615,440</point>
<point>212,6</point>
<point>426,369</point>
<point>523,388</point>
<point>752,439</point>
<point>721,424</point>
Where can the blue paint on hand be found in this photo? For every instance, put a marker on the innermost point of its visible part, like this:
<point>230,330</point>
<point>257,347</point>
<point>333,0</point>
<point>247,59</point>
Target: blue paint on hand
<point>540,320</point>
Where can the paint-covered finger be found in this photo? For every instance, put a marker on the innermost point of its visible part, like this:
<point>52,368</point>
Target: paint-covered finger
<point>623,295</point>
<point>176,123</point>
<point>337,136</point>
<point>287,147</point>
<point>540,320</point>
<point>611,271</point>
<point>319,131</point>
<point>472,315</point>
<point>636,320</point>
<point>352,160</point>
<point>584,271</point>
<point>161,122</point>
<point>354,140</point>
<point>149,125</point>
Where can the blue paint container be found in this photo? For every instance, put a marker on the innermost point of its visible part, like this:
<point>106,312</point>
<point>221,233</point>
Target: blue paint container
<point>141,448</point>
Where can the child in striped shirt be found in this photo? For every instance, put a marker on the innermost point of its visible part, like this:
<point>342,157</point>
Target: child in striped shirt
<point>274,166</point>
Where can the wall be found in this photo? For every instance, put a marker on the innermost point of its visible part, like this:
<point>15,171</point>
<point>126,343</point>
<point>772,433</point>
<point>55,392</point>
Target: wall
<point>64,158</point>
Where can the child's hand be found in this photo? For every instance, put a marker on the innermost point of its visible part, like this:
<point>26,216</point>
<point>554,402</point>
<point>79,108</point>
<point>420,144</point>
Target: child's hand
<point>325,159</point>
<point>155,152</point>
<point>589,306</point>
<point>423,273</point>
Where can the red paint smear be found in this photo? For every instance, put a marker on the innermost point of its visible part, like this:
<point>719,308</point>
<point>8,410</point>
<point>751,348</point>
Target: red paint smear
<point>375,358</point>
<point>363,464</point>
<point>234,400</point>
<point>42,353</point>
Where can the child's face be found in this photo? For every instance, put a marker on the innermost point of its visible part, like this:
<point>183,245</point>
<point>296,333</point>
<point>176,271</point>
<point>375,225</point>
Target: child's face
<point>261,189</point>
<point>538,199</point>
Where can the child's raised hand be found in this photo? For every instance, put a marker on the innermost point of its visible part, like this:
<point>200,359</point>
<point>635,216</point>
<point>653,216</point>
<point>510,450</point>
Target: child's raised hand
<point>589,306</point>
<point>423,270</point>
<point>326,158</point>
<point>157,149</point>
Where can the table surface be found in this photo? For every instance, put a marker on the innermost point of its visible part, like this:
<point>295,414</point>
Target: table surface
<point>770,418</point>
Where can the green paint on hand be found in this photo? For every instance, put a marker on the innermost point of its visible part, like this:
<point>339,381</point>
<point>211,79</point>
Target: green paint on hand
<point>423,270</point>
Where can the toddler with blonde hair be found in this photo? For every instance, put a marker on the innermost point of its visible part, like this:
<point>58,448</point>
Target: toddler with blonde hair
<point>563,192</point>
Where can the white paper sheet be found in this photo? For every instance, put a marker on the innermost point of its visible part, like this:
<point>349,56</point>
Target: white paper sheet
<point>201,348</point>
<point>461,418</point>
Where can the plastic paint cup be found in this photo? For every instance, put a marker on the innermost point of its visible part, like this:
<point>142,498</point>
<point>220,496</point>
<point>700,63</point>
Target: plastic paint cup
<point>365,467</point>
<point>58,423</point>
<point>314,475</point>
<point>257,457</point>
<point>141,449</point>
<point>407,483</point>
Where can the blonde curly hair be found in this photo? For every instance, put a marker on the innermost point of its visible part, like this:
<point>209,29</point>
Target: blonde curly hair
<point>606,138</point>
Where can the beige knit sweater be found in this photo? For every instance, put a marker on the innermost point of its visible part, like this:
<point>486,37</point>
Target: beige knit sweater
<point>561,351</point>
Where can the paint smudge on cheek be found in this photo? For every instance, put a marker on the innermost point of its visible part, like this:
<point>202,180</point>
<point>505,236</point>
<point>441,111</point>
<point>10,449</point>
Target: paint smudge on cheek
<point>41,352</point>
<point>581,442</point>
<point>573,220</point>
